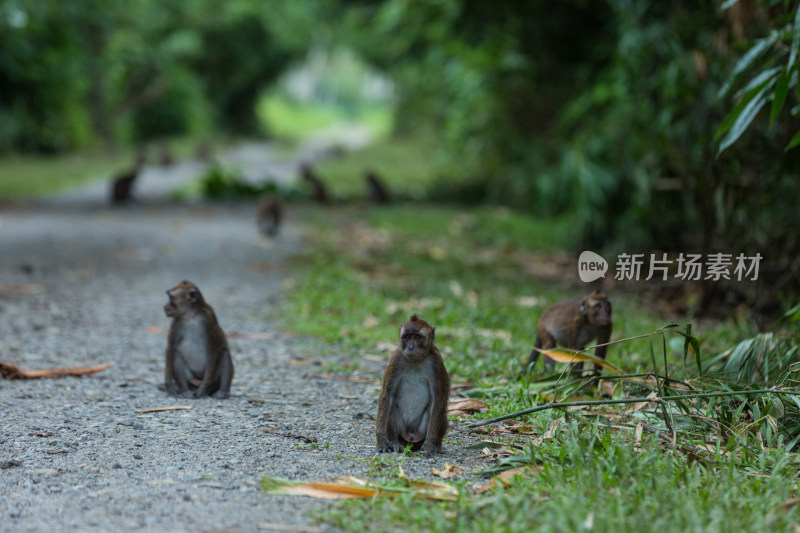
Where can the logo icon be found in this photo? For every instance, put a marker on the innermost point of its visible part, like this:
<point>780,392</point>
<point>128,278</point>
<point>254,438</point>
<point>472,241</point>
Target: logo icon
<point>591,266</point>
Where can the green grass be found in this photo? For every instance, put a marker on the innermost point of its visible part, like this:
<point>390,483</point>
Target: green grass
<point>30,176</point>
<point>482,277</point>
<point>589,479</point>
<point>407,166</point>
<point>474,274</point>
<point>288,120</point>
<point>26,176</point>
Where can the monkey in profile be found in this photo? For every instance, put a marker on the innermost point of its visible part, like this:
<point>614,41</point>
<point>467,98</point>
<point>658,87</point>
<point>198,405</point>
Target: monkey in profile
<point>122,186</point>
<point>412,408</point>
<point>268,215</point>
<point>198,361</point>
<point>573,324</point>
<point>377,193</point>
<point>319,193</point>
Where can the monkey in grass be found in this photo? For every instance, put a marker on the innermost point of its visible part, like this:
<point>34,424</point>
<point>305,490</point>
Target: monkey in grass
<point>573,324</point>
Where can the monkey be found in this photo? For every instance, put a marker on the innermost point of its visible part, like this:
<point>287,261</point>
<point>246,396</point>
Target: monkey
<point>197,351</point>
<point>412,408</point>
<point>122,186</point>
<point>319,192</point>
<point>204,151</point>
<point>376,191</point>
<point>165,154</point>
<point>573,324</point>
<point>268,215</point>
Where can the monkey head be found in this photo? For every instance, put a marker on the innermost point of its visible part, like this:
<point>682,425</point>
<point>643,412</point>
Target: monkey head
<point>183,297</point>
<point>597,309</point>
<point>416,337</point>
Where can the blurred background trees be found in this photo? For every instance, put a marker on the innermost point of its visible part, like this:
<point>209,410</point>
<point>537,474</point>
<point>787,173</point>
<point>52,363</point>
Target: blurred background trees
<point>651,125</point>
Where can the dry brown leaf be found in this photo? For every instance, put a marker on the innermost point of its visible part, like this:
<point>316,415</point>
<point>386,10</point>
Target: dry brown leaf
<point>447,472</point>
<point>638,406</point>
<point>488,453</point>
<point>262,266</point>
<point>349,487</point>
<point>330,491</point>
<point>11,288</point>
<point>515,427</point>
<point>299,361</point>
<point>370,322</point>
<point>527,301</point>
<point>464,407</point>
<point>159,409</point>
<point>9,371</point>
<point>506,477</point>
<point>571,356</point>
<point>552,428</point>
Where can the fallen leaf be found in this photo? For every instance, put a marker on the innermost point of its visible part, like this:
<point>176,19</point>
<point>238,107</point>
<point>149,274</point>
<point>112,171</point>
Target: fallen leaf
<point>527,301</point>
<point>262,266</point>
<point>11,288</point>
<point>571,356</point>
<point>447,472</point>
<point>641,405</point>
<point>455,288</point>
<point>9,371</point>
<point>505,478</point>
<point>464,407</point>
<point>349,487</point>
<point>159,409</point>
<point>370,322</point>
<point>437,253</point>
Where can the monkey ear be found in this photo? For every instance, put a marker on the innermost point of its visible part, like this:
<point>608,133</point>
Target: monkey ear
<point>433,333</point>
<point>583,305</point>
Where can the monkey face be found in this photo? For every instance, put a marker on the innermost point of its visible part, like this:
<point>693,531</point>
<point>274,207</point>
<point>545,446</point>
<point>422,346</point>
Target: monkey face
<point>416,337</point>
<point>598,309</point>
<point>182,298</point>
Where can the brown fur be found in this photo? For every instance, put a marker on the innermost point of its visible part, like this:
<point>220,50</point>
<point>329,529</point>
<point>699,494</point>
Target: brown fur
<point>412,408</point>
<point>185,362</point>
<point>573,324</point>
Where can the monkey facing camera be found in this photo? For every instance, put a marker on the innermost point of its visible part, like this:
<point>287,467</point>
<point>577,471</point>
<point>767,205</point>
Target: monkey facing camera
<point>573,324</point>
<point>198,361</point>
<point>412,409</point>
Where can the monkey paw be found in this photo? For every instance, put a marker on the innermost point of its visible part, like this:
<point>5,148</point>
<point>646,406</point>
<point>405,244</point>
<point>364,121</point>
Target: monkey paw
<point>389,447</point>
<point>221,394</point>
<point>430,449</point>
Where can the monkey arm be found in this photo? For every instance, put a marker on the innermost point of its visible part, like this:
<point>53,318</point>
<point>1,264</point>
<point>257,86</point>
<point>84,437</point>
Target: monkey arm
<point>170,383</point>
<point>385,434</point>
<point>217,353</point>
<point>603,336</point>
<point>440,392</point>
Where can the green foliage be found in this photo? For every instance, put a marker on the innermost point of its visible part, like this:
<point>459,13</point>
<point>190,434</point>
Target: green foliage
<point>77,72</point>
<point>767,71</point>
<point>220,183</point>
<point>607,112</point>
<point>588,477</point>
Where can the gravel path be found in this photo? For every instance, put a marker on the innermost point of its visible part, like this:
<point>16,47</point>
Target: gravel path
<point>84,284</point>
